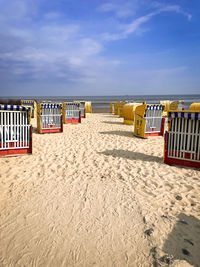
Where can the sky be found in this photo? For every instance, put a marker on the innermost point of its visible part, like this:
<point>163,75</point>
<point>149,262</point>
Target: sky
<point>97,47</point>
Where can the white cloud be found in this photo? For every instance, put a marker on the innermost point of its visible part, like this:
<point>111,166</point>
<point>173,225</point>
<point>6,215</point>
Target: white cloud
<point>129,28</point>
<point>173,8</point>
<point>49,51</point>
<point>18,9</point>
<point>20,33</point>
<point>121,10</point>
<point>89,47</point>
<point>134,26</point>
<point>57,34</point>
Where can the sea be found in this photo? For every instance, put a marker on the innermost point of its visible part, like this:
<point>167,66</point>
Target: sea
<point>101,104</point>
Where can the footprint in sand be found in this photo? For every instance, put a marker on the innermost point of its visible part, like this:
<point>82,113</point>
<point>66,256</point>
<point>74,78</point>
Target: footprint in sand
<point>169,186</point>
<point>178,197</point>
<point>172,203</point>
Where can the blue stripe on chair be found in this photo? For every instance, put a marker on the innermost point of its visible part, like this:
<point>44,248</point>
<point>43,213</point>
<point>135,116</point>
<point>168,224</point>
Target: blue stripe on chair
<point>186,115</point>
<point>51,105</point>
<point>14,108</point>
<point>197,115</point>
<point>154,107</point>
<point>27,101</point>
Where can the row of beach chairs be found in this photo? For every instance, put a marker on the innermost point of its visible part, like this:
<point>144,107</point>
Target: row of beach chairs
<point>181,140</point>
<point>15,122</point>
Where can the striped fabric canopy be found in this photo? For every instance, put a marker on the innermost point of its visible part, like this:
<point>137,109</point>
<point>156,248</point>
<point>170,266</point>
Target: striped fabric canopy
<point>186,115</point>
<point>27,101</point>
<point>14,108</point>
<point>157,107</point>
<point>51,105</point>
<point>72,103</point>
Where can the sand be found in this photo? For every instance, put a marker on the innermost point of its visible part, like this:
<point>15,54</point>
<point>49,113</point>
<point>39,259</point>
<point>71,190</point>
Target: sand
<point>98,196</point>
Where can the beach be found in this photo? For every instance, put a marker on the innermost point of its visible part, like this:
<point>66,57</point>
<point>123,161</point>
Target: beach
<point>95,195</point>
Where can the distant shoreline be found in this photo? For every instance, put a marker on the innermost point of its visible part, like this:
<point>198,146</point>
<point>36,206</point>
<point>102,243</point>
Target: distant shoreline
<point>100,104</point>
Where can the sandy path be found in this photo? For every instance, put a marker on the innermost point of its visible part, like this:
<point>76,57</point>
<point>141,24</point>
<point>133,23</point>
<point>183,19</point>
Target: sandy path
<point>87,196</point>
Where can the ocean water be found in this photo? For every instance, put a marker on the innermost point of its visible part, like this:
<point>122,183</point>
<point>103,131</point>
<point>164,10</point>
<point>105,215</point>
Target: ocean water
<point>101,103</point>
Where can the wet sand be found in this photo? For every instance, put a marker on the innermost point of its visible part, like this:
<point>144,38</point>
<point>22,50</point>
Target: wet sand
<point>98,196</point>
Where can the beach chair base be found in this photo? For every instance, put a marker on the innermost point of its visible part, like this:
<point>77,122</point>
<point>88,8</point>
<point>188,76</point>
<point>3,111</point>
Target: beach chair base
<point>182,162</point>
<point>43,131</point>
<point>153,134</point>
<point>73,120</point>
<point>146,135</point>
<point>9,152</point>
<point>128,122</point>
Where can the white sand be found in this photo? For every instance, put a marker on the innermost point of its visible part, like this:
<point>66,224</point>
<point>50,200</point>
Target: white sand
<point>87,196</point>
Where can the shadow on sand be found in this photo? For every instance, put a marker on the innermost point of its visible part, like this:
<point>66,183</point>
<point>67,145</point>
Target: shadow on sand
<point>110,116</point>
<point>132,155</point>
<point>183,243</point>
<point>120,133</point>
<point>34,129</point>
<point>114,122</point>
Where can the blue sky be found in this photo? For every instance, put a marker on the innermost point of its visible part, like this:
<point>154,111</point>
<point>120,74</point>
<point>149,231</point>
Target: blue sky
<point>96,47</point>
